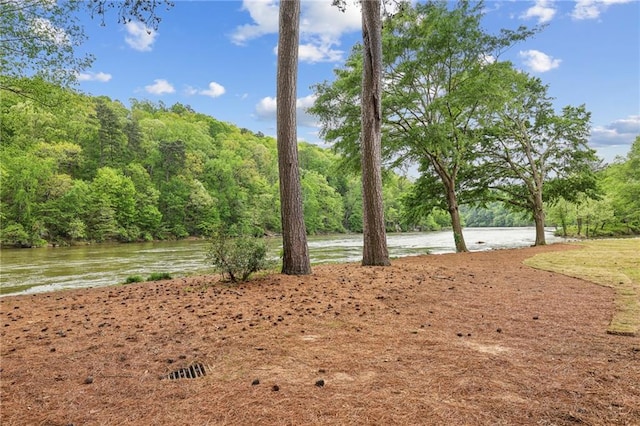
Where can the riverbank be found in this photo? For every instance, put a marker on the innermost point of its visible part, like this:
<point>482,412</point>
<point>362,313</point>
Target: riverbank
<point>474,338</point>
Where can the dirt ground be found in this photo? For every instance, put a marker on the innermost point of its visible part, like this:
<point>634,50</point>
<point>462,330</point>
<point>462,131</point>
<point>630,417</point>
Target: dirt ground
<point>460,339</point>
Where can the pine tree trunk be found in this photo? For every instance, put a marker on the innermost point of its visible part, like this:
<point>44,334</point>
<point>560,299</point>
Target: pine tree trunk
<point>375,251</point>
<point>295,259</point>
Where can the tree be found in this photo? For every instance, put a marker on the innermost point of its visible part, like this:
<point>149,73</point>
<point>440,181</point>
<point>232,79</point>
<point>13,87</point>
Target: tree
<point>295,259</point>
<point>323,209</point>
<point>38,38</point>
<point>113,206</point>
<point>438,71</point>
<point>621,181</point>
<point>374,250</point>
<point>530,148</point>
<point>172,158</point>
<point>111,139</point>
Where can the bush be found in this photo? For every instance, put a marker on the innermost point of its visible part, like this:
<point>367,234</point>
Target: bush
<point>133,279</point>
<point>237,257</point>
<point>14,235</point>
<point>157,276</point>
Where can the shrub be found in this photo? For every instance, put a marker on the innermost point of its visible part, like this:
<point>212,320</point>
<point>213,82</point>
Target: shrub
<point>133,279</point>
<point>157,276</point>
<point>237,257</point>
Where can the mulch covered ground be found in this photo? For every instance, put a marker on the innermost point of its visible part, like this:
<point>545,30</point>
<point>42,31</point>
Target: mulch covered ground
<point>460,339</point>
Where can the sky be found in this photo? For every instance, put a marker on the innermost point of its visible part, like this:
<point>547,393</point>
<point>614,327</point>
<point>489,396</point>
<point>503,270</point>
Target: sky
<point>219,57</point>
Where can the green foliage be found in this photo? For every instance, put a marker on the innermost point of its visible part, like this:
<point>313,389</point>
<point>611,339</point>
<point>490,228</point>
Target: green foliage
<point>237,256</point>
<point>621,182</point>
<point>438,80</point>
<point>323,209</point>
<point>94,170</point>
<point>494,214</point>
<point>14,235</point>
<point>134,279</point>
<point>159,276</point>
<point>53,191</point>
<point>39,36</point>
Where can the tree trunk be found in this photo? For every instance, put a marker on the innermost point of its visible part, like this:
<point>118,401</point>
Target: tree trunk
<point>538,217</point>
<point>375,251</point>
<point>295,260</point>
<point>456,224</point>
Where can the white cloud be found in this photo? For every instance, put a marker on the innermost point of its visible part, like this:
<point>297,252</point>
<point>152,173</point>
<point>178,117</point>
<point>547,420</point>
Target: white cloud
<point>321,27</point>
<point>264,14</point>
<point>160,87</point>
<point>538,61</point>
<point>318,53</point>
<point>92,76</point>
<point>544,10</point>
<point>214,90</point>
<point>621,132</point>
<point>190,91</point>
<point>591,9</point>
<point>140,36</point>
<point>266,110</point>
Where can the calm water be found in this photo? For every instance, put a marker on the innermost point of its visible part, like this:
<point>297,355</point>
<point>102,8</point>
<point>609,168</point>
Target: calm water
<point>49,269</point>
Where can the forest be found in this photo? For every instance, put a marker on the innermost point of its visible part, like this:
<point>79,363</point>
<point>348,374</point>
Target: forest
<point>89,169</point>
<point>488,146</point>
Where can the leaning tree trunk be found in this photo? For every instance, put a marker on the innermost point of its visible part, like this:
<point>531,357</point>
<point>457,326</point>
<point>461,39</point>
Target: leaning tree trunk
<point>456,223</point>
<point>295,260</point>
<point>375,250</point>
<point>538,218</point>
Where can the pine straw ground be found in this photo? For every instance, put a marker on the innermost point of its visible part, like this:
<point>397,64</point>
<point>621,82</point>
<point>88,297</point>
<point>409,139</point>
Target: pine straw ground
<point>460,339</point>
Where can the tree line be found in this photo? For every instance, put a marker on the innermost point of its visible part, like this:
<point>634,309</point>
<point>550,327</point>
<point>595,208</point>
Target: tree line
<point>91,169</point>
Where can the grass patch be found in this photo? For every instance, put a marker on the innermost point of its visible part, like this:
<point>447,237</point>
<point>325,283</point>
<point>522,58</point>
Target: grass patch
<point>158,276</point>
<point>134,279</point>
<point>612,263</point>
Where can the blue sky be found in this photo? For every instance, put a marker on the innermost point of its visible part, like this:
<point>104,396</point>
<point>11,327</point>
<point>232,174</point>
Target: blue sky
<point>219,57</point>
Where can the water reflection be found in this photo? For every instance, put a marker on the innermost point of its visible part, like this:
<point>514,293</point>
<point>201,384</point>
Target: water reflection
<point>49,269</point>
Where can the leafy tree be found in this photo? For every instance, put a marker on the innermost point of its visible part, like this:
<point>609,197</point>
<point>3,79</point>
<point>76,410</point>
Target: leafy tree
<point>621,181</point>
<point>113,206</point>
<point>352,200</point>
<point>23,190</point>
<point>201,216</point>
<point>438,72</point>
<point>295,259</point>
<point>172,158</point>
<point>322,204</point>
<point>39,37</point>
<point>148,217</point>
<point>174,198</point>
<point>562,213</point>
<point>529,148</point>
<point>111,140</point>
<point>394,189</point>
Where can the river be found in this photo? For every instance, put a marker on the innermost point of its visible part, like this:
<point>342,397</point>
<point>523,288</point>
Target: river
<point>55,268</point>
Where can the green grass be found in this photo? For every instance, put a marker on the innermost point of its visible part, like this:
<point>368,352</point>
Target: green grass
<point>612,263</point>
<point>158,276</point>
<point>134,279</point>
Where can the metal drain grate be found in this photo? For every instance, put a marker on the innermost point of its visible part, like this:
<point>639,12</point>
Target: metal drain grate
<point>191,372</point>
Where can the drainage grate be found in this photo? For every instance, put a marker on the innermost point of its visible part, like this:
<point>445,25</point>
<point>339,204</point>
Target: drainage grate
<point>191,372</point>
